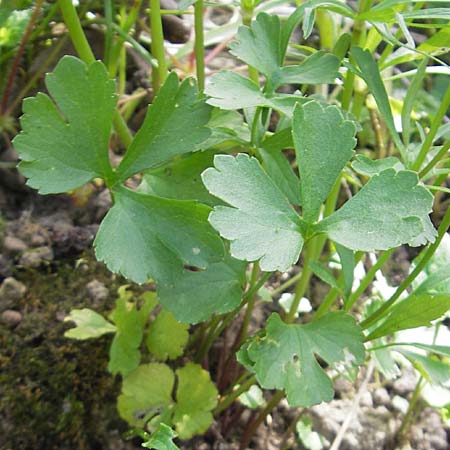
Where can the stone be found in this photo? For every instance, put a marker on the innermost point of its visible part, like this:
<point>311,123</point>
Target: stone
<point>406,383</point>
<point>12,244</point>
<point>97,291</point>
<point>11,291</point>
<point>11,318</point>
<point>381,396</point>
<point>33,259</point>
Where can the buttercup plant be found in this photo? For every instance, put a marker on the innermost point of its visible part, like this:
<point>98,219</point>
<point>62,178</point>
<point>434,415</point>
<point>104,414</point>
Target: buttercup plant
<point>218,196</point>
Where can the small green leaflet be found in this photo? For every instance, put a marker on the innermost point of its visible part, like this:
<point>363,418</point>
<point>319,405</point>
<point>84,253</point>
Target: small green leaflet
<point>196,398</point>
<point>124,354</point>
<point>414,311</point>
<point>261,223</point>
<point>161,439</point>
<point>174,124</point>
<point>260,46</point>
<point>89,324</point>
<point>188,296</point>
<point>284,357</point>
<point>324,143</point>
<point>147,394</point>
<point>390,210</point>
<point>143,236</point>
<point>166,336</point>
<point>64,143</point>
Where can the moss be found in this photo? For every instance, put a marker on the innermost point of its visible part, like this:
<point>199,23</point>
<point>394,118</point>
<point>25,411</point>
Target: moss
<point>56,393</point>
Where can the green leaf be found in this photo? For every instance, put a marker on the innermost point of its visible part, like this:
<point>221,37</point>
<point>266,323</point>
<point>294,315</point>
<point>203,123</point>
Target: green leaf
<point>196,397</point>
<point>124,354</point>
<point>174,124</point>
<point>369,167</point>
<point>324,274</point>
<point>181,179</point>
<point>89,324</point>
<point>143,236</point>
<point>144,392</point>
<point>370,73</point>
<point>64,142</point>
<point>13,23</point>
<point>259,44</point>
<point>310,439</point>
<point>194,296</point>
<point>253,398</point>
<point>347,259</point>
<point>166,336</point>
<point>229,90</point>
<point>285,358</point>
<point>324,142</point>
<point>261,223</point>
<point>277,166</point>
<point>435,371</point>
<point>412,312</point>
<point>161,439</point>
<point>319,68</point>
<point>390,210</point>
<point>435,276</point>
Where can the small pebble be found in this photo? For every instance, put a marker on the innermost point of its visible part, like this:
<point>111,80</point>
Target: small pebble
<point>12,244</point>
<point>33,259</point>
<point>366,399</point>
<point>11,291</point>
<point>400,404</point>
<point>381,397</point>
<point>97,291</point>
<point>11,318</point>
<point>406,383</point>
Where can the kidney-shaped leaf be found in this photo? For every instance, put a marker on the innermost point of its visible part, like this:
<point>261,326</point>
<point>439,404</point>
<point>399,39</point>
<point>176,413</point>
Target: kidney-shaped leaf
<point>196,397</point>
<point>261,224</point>
<point>286,356</point>
<point>143,236</point>
<point>390,210</point>
<point>64,142</point>
<point>146,390</point>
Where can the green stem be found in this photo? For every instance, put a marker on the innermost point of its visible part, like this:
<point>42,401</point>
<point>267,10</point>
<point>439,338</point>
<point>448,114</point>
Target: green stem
<point>302,285</point>
<point>428,253</point>
<point>439,155</point>
<point>410,411</point>
<point>109,8</point>
<point>199,45</point>
<point>233,395</point>
<point>368,278</point>
<point>250,304</point>
<point>122,31</point>
<point>76,32</point>
<point>247,9</point>
<point>433,130</point>
<point>158,75</point>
